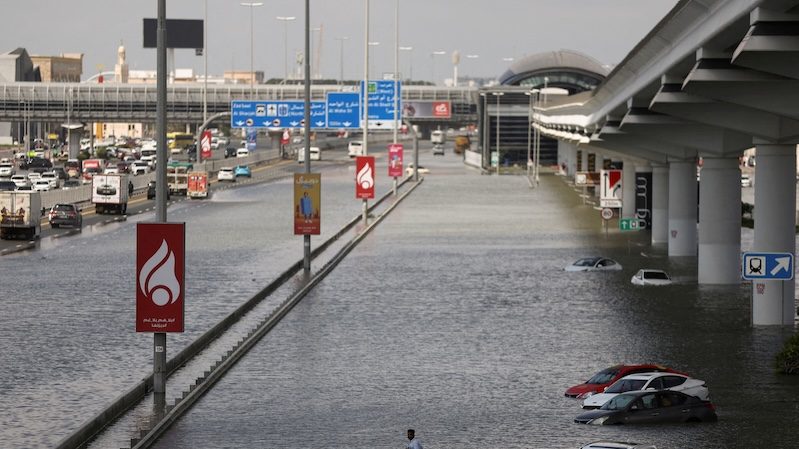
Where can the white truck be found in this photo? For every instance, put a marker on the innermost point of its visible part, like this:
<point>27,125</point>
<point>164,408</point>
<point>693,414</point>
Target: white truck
<point>20,215</point>
<point>438,137</point>
<point>110,193</point>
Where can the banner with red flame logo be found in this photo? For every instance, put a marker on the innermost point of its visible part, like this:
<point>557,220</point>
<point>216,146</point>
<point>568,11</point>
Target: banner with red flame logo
<point>205,144</point>
<point>160,275</point>
<point>364,177</point>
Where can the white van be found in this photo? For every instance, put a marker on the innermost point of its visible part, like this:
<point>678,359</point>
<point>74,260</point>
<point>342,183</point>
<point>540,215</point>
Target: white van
<point>355,148</point>
<point>437,137</point>
<point>316,154</point>
<point>242,152</point>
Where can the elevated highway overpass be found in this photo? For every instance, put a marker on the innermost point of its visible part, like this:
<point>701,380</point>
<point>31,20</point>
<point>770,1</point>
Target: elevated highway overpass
<point>713,78</point>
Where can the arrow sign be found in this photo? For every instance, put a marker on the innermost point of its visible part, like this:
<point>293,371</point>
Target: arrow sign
<point>768,266</point>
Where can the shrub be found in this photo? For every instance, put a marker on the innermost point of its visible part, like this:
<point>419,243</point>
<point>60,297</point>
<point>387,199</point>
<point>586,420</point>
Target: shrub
<point>787,360</point>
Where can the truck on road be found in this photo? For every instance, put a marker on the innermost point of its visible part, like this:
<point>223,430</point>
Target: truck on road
<point>110,193</point>
<point>20,215</point>
<point>177,177</point>
<point>438,137</point>
<point>198,184</point>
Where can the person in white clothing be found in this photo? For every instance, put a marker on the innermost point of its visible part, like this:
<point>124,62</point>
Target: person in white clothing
<point>414,442</point>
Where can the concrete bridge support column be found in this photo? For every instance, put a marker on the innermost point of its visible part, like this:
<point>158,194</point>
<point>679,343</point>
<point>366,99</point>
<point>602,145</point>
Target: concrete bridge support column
<point>74,143</point>
<point>720,222</point>
<point>775,209</point>
<point>660,204</point>
<point>571,161</point>
<point>583,160</point>
<point>682,208</point>
<point>628,189</point>
<point>598,161</point>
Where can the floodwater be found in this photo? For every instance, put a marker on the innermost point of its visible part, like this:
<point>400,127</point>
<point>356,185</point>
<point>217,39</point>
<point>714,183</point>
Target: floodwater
<point>454,317</point>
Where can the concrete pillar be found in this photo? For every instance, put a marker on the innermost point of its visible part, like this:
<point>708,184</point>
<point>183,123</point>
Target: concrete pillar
<point>660,204</point>
<point>682,208</point>
<point>720,222</point>
<point>775,209</point>
<point>74,143</point>
<point>598,159</point>
<point>572,161</point>
<point>628,189</point>
<point>584,160</point>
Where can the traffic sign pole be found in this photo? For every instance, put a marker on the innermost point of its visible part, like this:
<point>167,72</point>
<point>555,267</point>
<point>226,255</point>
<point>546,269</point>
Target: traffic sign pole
<point>306,259</point>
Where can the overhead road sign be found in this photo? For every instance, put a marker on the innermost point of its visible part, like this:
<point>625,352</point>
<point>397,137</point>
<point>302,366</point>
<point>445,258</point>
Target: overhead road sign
<point>344,110</point>
<point>767,266</point>
<point>382,102</point>
<point>276,114</point>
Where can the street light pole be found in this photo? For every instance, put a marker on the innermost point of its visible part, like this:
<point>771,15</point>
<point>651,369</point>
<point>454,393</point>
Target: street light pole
<point>396,77</point>
<point>498,94</point>
<point>365,94</point>
<point>286,21</point>
<point>410,61</point>
<point>307,125</point>
<point>198,146</point>
<point>341,57</point>
<point>159,338</point>
<point>252,5</point>
<point>433,65</point>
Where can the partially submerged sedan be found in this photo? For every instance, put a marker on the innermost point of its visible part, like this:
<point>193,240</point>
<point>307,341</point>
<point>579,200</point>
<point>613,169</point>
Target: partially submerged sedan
<point>649,407</point>
<point>594,264</point>
<point>649,381</point>
<point>648,276</point>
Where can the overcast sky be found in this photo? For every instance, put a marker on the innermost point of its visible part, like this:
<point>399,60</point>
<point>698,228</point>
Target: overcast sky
<point>492,29</point>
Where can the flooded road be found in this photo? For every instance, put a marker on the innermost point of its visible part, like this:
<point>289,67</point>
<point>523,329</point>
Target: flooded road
<point>455,318</point>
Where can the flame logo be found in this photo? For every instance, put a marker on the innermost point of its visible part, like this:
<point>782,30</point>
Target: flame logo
<point>157,278</point>
<point>365,178</point>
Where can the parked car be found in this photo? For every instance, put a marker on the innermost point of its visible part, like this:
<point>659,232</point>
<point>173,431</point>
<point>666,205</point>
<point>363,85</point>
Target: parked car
<point>599,381</point>
<point>617,445</point>
<point>438,150</point>
<point>151,191</point>
<point>230,152</point>
<point>649,407</point>
<point>41,185</point>
<point>649,381</point>
<point>6,169</point>
<point>648,276</point>
<point>594,264</point>
<point>355,148</point>
<point>226,174</point>
<point>65,215</point>
<point>71,184</point>
<point>242,170</point>
<point>52,177</point>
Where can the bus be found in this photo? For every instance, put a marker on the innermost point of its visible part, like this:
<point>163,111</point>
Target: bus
<point>177,142</point>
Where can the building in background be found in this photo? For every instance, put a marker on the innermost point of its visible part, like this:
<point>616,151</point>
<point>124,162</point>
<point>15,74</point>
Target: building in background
<point>65,68</point>
<point>16,65</point>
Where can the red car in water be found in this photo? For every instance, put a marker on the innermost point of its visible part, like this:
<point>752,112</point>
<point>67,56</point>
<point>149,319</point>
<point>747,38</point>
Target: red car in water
<point>603,379</point>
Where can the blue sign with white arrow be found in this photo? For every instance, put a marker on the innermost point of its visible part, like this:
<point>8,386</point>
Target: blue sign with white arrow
<point>276,114</point>
<point>381,103</point>
<point>343,110</point>
<point>768,266</point>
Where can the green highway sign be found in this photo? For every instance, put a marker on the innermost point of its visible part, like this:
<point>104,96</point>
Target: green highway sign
<point>630,224</point>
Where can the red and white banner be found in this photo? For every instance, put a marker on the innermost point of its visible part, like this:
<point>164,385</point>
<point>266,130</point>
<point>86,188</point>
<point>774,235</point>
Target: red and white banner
<point>442,109</point>
<point>160,276</point>
<point>395,160</point>
<point>364,177</point>
<point>205,144</point>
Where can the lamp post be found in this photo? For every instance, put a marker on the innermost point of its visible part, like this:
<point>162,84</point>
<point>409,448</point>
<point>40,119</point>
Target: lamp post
<point>341,57</point>
<point>372,44</point>
<point>410,61</point>
<point>396,77</point>
<point>285,20</point>
<point>252,5</point>
<point>365,94</point>
<point>472,57</point>
<point>433,64</point>
<point>530,125</point>
<point>307,127</point>
<point>497,94</point>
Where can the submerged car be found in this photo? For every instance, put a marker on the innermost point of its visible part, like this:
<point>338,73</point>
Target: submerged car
<point>647,276</point>
<point>649,381</point>
<point>599,381</point>
<point>594,264</point>
<point>649,407</point>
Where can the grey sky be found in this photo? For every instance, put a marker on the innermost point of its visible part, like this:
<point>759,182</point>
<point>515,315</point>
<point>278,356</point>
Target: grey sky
<point>604,29</point>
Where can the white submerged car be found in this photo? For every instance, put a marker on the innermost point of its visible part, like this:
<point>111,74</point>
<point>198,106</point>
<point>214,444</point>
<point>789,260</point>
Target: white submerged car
<point>648,276</point>
<point>650,381</point>
<point>594,264</point>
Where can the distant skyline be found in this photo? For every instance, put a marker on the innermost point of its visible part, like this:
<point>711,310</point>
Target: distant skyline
<point>494,31</point>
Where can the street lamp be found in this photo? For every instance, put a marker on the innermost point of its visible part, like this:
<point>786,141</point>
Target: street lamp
<point>372,44</point>
<point>286,21</point>
<point>341,57</point>
<point>472,57</point>
<point>529,126</point>
<point>410,61</point>
<point>498,94</point>
<point>252,5</point>
<point>316,69</point>
<point>433,59</point>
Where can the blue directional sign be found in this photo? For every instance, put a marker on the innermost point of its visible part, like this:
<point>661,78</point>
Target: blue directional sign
<point>768,266</point>
<point>276,114</point>
<point>343,110</point>
<point>381,103</point>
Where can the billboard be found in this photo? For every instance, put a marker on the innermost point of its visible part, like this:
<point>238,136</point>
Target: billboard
<point>364,177</point>
<point>205,143</point>
<point>426,109</point>
<point>395,160</point>
<point>307,203</point>
<point>160,276</point>
<point>180,33</point>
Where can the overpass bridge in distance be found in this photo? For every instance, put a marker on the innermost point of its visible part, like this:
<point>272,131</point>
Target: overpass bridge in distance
<point>118,102</point>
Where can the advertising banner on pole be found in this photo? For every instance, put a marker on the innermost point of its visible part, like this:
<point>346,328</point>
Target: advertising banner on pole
<point>395,160</point>
<point>610,193</point>
<point>307,203</point>
<point>160,277</point>
<point>426,109</point>
<point>364,177</point>
<point>205,143</point>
